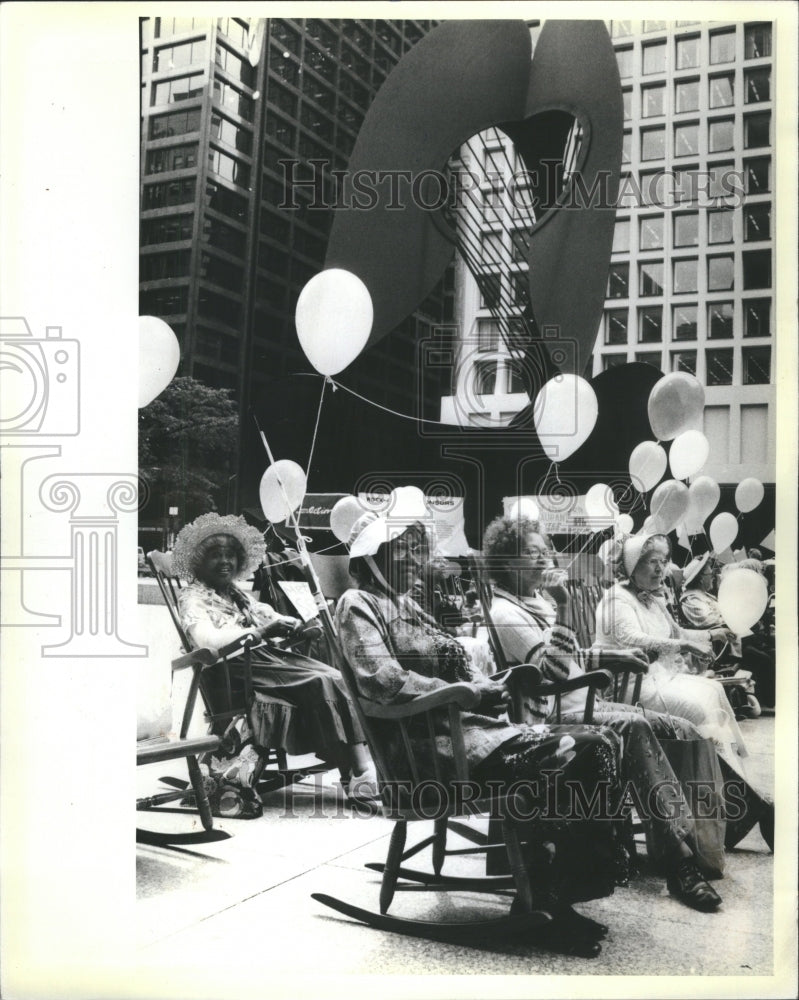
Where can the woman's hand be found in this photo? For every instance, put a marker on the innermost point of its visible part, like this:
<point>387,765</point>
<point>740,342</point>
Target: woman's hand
<point>553,581</point>
<point>492,694</point>
<point>695,649</point>
<point>720,636</point>
<point>282,625</point>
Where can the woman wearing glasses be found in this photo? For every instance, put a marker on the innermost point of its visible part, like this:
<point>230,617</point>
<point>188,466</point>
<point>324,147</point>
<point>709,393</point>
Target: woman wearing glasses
<point>536,629</point>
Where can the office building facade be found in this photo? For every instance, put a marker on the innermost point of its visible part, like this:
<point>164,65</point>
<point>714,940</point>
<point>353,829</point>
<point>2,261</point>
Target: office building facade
<point>243,122</point>
<point>691,283</point>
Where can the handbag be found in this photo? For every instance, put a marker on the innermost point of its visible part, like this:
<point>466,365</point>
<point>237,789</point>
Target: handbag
<point>696,766</point>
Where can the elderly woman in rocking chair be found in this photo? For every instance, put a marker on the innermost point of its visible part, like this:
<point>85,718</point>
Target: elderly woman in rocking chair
<point>398,652</point>
<point>307,709</point>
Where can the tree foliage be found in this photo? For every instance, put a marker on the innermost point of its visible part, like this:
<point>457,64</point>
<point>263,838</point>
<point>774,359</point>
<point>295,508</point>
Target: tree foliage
<point>188,445</point>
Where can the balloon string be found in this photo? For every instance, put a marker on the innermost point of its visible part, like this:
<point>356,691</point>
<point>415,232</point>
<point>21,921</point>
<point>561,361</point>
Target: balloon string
<point>579,551</point>
<point>315,431</point>
<point>386,409</point>
<point>293,561</point>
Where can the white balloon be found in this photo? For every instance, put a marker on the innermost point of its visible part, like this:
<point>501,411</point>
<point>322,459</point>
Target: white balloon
<point>748,494</point>
<point>703,498</point>
<point>564,414</point>
<point>334,319</point>
<point>606,550</point>
<point>282,490</point>
<point>600,502</point>
<point>159,357</point>
<point>688,454</point>
<point>743,597</point>
<point>723,531</point>
<point>650,527</point>
<point>524,507</point>
<point>344,514</point>
<point>647,464</point>
<point>624,524</point>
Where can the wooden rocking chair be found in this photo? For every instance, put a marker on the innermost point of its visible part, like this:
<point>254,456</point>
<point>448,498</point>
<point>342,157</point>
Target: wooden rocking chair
<point>272,770</point>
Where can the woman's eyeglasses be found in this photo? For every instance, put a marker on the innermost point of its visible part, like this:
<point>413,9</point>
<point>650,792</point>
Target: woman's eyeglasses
<point>535,553</point>
<point>409,546</point>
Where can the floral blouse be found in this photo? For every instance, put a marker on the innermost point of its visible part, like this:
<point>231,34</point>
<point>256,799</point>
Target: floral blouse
<point>211,619</point>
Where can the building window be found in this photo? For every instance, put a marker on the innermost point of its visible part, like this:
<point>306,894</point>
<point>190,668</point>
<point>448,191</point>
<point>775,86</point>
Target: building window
<point>683,361</point>
<point>229,97</point>
<point>627,103</point>
<point>489,285</point>
<point>279,129</point>
<point>492,204</point>
<point>624,60</point>
<point>491,248</point>
<point>650,325</point>
<point>616,326</point>
<point>686,139</point>
<point>175,123</point>
<point>723,180</point>
<point>720,273</point>
<point>756,365</point>
<point>757,222</point>
<point>223,236</point>
<point>520,244</point>
<point>720,318</point>
<point>626,147</point>
<point>174,264</point>
<point>653,143</point>
<point>757,317</point>
<point>654,26</point>
<point>487,335</point>
<point>178,56</point>
<point>757,175</point>
<point>719,226</point>
<point>613,361</point>
<point>654,57</point>
<point>221,272</point>
<point>653,100</point>
<point>171,158</point>
<point>168,193</point>
<point>718,366</point>
<point>649,358</point>
<point>229,168</point>
<point>166,230</point>
<point>722,46</point>
<point>687,52</point>
<point>220,199</point>
<point>234,65</point>
<point>650,278</point>
<point>521,289</point>
<point>757,41</point>
<point>684,323</point>
<point>720,135</point>
<point>620,29</point>
<point>757,268</point>
<point>757,85</point>
<point>164,301</point>
<point>516,377</point>
<point>485,377</point>
<point>619,281</point>
<point>686,95</point>
<point>650,233</point>
<point>686,275</point>
<point>756,130</point>
<point>685,184</point>
<point>224,130</point>
<point>621,236</point>
<point>721,90</point>
<point>183,89</point>
<point>686,229</point>
<point>653,187</point>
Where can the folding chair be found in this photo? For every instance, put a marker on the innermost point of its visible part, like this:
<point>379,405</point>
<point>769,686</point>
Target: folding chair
<point>272,770</point>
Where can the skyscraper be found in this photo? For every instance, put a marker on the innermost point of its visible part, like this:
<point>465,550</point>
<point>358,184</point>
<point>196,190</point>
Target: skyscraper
<point>690,285</point>
<point>244,121</point>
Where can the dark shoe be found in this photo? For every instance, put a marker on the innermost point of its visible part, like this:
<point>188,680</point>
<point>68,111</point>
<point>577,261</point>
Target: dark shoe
<point>561,937</point>
<point>767,825</point>
<point>685,882</point>
<point>585,926</point>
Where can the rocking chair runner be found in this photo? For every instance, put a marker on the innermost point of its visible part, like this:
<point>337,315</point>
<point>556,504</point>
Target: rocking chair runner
<point>402,785</point>
<point>265,777</point>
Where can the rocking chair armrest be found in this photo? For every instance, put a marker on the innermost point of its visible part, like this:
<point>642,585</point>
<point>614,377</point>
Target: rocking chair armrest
<point>595,679</point>
<point>520,672</point>
<point>462,694</point>
<point>624,668</point>
<point>204,657</point>
<point>207,656</point>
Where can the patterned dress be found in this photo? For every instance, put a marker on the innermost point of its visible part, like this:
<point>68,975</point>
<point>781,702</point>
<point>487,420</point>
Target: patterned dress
<point>397,652</point>
<point>301,705</point>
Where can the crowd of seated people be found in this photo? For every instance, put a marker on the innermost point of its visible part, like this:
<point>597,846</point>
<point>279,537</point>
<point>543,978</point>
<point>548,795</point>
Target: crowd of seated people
<point>402,640</point>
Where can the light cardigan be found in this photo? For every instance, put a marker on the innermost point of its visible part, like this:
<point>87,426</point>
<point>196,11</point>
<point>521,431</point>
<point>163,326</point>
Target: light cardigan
<point>213,620</point>
<point>623,618</point>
